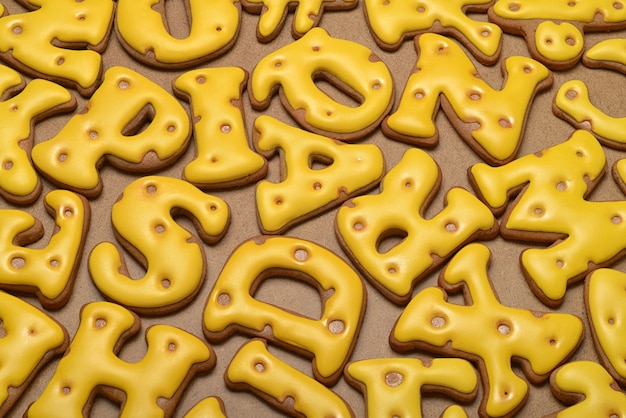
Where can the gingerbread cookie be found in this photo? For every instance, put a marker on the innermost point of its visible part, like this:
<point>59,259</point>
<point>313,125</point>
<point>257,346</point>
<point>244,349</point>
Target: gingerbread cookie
<point>591,388</point>
<point>174,259</point>
<point>60,40</point>
<point>22,106</point>
<point>554,32</point>
<point>308,14</point>
<point>50,271</point>
<point>73,157</point>
<point>214,27</point>
<point>231,306</point>
<point>352,68</point>
<point>551,207</point>
<point>223,157</point>
<point>391,22</point>
<point>487,332</point>
<point>289,390</point>
<point>490,121</point>
<point>393,386</point>
<point>365,222</point>
<point>212,407</point>
<point>573,104</point>
<point>619,173</point>
<point>316,173</point>
<point>610,53</point>
<point>151,386</point>
<point>29,339</point>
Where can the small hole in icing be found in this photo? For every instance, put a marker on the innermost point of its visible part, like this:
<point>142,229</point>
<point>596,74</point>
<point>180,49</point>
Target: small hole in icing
<point>614,416</point>
<point>14,108</point>
<point>474,95</point>
<point>214,159</point>
<point>159,229</point>
<point>226,128</point>
<point>301,254</point>
<point>438,322</point>
<point>616,219</point>
<point>54,263</point>
<point>278,64</point>
<point>218,28</point>
<point>393,379</point>
<point>561,186</point>
<point>528,69</point>
<point>571,4</point>
<point>570,41</point>
<point>18,263</point>
<point>408,184</point>
<point>505,123</point>
<point>3,330</point>
<point>376,86</point>
<point>100,323</point>
<point>618,6</point>
<point>62,157</point>
<point>538,211</point>
<point>514,7</point>
<point>451,227</point>
<point>317,186</point>
<point>223,299</point>
<point>17,30</point>
<point>8,165</point>
<point>166,283</point>
<point>552,341</point>
<point>358,226</point>
<point>579,154</point>
<point>441,49</point>
<point>392,269</point>
<point>611,321</point>
<point>259,367</point>
<point>171,128</point>
<point>485,32</point>
<point>419,95</point>
<point>201,79</point>
<point>68,212</point>
<point>421,9</point>
<point>61,61</point>
<point>123,84</point>
<point>386,3</point>
<point>571,94</point>
<point>336,327</point>
<point>151,189</point>
<point>93,135</point>
<point>504,329</point>
<point>171,346</point>
<point>329,113</point>
<point>81,17</point>
<point>316,48</point>
<point>212,208</point>
<point>65,390</point>
<point>560,263</point>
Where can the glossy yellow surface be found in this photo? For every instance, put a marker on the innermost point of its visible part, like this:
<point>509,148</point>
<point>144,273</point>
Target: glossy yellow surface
<point>92,361</point>
<point>488,330</point>
<point>213,26</point>
<point>558,42</point>
<point>305,189</point>
<point>223,154</point>
<point>611,50</point>
<point>174,258</point>
<point>579,11</point>
<point>329,339</point>
<point>400,206</point>
<point>254,366</point>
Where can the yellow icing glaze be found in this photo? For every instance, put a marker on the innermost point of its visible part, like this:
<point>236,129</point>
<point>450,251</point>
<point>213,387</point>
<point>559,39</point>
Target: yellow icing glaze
<point>305,190</point>
<point>29,337</point>
<point>223,155</point>
<point>610,11</point>
<point>557,183</point>
<point>211,407</point>
<point>602,396</point>
<point>174,258</point>
<point>33,37</point>
<point>399,210</point>
<point>444,69</point>
<point>92,361</point>
<point>256,368</point>
<point>486,330</point>
<point>558,42</point>
<point>605,298</point>
<point>231,305</point>
<point>573,100</point>
<point>611,50</point>
<point>295,67</point>
<point>48,271</point>
<point>307,14</point>
<point>391,21</point>
<point>393,386</point>
<point>73,156</point>
<point>18,114</point>
<point>214,26</point>
<point>620,170</point>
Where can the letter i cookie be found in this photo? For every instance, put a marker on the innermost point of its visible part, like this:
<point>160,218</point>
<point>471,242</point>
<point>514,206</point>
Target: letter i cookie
<point>487,332</point>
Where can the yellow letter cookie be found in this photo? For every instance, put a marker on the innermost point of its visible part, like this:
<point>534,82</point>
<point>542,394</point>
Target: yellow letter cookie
<point>485,331</point>
<point>60,40</point>
<point>173,257</point>
<point>364,222</point>
<point>393,386</point>
<point>391,22</point>
<point>19,183</point>
<point>307,14</point>
<point>572,103</point>
<point>149,387</point>
<point>304,189</point>
<point>444,69</point>
<point>610,53</point>
<point>231,306</point>
<point>551,207</point>
<point>554,31</point>
<point>351,67</point>
<point>72,158</point>
<point>49,272</point>
<point>214,26</point>
<point>28,340</point>
<point>254,368</point>
<point>212,407</point>
<point>224,158</point>
<point>590,387</point>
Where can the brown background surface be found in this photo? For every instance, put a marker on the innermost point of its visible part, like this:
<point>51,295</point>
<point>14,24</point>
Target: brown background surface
<point>452,154</point>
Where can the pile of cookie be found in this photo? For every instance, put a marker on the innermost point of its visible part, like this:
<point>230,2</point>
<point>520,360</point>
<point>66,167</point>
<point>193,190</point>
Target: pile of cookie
<point>263,206</point>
